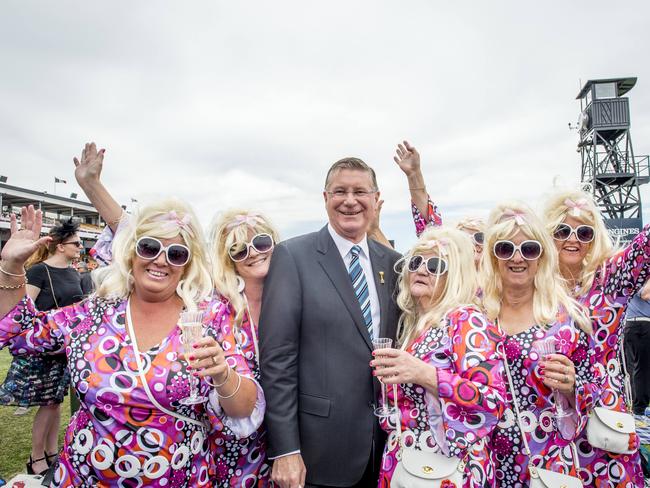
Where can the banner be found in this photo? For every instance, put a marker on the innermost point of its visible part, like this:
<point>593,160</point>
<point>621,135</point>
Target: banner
<point>623,230</point>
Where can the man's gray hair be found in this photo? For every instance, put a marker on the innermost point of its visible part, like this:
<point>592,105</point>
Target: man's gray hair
<point>353,164</point>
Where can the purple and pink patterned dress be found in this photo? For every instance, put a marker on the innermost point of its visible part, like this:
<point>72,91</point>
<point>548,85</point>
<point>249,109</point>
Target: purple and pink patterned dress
<point>119,437</point>
<point>239,461</point>
<point>471,390</point>
<point>549,439</point>
<point>432,219</point>
<point>616,282</point>
<point>242,462</point>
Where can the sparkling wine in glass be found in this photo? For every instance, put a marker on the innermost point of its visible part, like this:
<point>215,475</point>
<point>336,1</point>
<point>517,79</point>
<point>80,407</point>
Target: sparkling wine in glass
<point>191,324</point>
<point>384,410</point>
<point>545,347</point>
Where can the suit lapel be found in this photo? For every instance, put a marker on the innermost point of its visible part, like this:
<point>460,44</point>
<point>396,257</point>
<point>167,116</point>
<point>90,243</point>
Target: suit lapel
<point>381,273</point>
<point>334,268</point>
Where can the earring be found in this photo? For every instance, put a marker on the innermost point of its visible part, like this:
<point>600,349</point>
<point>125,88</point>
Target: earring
<point>240,284</point>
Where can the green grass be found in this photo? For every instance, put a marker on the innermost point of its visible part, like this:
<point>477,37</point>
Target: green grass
<point>16,431</point>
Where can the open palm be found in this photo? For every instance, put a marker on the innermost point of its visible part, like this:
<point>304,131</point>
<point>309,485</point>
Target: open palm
<point>26,240</point>
<point>407,158</point>
<point>89,167</point>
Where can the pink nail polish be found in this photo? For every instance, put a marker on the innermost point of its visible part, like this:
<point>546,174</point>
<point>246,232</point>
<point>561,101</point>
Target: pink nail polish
<point>191,358</point>
<point>194,346</point>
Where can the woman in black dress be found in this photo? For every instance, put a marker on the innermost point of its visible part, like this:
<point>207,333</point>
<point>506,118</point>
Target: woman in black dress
<point>44,380</point>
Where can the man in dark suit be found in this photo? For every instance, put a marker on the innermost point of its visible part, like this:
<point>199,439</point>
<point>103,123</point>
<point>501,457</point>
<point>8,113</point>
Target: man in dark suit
<point>326,296</point>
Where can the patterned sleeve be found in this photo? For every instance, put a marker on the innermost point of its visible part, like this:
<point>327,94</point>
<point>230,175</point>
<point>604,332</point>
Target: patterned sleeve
<point>102,251</point>
<point>27,331</point>
<point>627,271</point>
<point>579,347</point>
<point>432,219</point>
<point>472,391</point>
<point>220,320</point>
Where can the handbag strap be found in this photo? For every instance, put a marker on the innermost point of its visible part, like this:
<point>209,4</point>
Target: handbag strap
<point>515,401</point>
<point>56,304</point>
<point>143,378</point>
<point>627,385</point>
<point>399,427</point>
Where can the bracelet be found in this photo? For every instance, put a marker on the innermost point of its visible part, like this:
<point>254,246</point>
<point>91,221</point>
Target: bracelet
<point>208,380</point>
<point>3,271</point>
<point>423,188</point>
<point>234,392</point>
<point>14,287</point>
<point>117,220</point>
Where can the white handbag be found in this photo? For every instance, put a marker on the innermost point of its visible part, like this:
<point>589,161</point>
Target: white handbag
<point>610,430</point>
<point>425,469</point>
<point>542,478</point>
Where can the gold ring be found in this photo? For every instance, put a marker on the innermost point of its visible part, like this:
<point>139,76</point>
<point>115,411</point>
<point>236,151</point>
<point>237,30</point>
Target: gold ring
<point>214,361</point>
<point>566,369</point>
<point>566,378</point>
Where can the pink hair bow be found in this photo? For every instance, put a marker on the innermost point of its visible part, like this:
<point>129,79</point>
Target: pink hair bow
<point>576,206</point>
<point>172,220</point>
<point>250,219</point>
<point>442,245</point>
<point>514,214</point>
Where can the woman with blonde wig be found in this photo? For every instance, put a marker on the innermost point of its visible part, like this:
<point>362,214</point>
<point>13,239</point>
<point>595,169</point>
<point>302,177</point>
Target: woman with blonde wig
<point>241,243</point>
<point>450,390</point>
<point>240,247</point>
<point>523,291</point>
<point>603,280</point>
<point>135,426</point>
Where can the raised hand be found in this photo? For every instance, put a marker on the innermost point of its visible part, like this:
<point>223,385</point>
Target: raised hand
<point>407,158</point>
<point>25,240</point>
<point>88,169</point>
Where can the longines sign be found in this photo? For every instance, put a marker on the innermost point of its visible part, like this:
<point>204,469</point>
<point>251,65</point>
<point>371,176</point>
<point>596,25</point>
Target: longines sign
<point>623,230</point>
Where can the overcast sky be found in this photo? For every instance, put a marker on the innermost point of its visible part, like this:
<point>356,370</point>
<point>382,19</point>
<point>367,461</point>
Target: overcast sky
<point>248,103</point>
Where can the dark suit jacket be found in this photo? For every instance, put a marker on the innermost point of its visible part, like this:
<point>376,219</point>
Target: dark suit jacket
<point>314,355</point>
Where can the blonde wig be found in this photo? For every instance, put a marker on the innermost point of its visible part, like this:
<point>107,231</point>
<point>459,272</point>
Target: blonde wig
<point>471,224</point>
<point>550,294</point>
<point>230,227</point>
<point>457,249</point>
<point>581,206</point>
<point>165,219</point>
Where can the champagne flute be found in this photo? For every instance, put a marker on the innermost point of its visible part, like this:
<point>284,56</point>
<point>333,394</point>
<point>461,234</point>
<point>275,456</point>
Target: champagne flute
<point>384,410</point>
<point>545,347</point>
<point>191,324</point>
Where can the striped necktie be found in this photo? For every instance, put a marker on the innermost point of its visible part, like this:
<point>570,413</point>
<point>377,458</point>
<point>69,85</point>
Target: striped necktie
<point>360,286</point>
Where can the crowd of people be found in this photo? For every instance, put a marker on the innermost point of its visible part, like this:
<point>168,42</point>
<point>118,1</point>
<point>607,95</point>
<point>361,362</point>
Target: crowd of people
<point>508,368</point>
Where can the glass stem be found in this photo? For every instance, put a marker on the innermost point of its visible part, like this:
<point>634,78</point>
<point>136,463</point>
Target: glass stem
<point>193,386</point>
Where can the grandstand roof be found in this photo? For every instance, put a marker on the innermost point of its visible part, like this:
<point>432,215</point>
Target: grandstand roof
<point>19,197</point>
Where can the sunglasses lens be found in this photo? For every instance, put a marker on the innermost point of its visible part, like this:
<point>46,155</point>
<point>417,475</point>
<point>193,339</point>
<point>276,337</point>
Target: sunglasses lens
<point>585,233</point>
<point>147,248</point>
<point>262,243</point>
<point>238,251</point>
<point>436,266</point>
<point>479,237</point>
<point>504,249</point>
<point>531,250</point>
<point>562,232</point>
<point>178,255</point>
<point>414,263</point>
